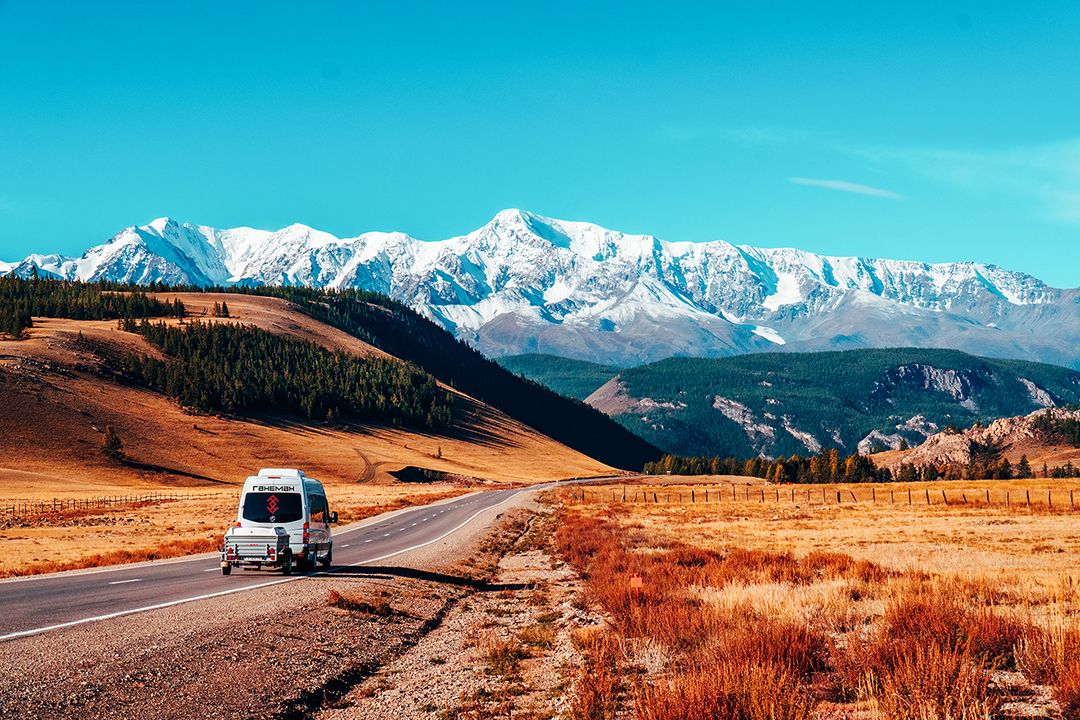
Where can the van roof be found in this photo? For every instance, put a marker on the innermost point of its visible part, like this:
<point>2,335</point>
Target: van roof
<point>281,473</point>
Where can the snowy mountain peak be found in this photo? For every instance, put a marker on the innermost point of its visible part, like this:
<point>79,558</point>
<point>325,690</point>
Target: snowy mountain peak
<point>525,282</point>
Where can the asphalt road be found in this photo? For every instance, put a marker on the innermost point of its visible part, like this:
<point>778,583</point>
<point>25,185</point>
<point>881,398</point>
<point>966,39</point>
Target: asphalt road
<point>51,602</point>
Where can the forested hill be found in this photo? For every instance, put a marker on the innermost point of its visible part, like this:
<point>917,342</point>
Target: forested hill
<point>566,376</point>
<point>303,370</point>
<point>779,404</point>
<point>403,333</point>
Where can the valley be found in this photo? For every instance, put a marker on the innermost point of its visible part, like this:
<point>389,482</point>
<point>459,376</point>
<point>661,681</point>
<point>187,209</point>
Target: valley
<point>778,405</point>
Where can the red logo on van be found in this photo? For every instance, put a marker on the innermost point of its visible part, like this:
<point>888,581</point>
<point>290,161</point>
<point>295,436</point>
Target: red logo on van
<point>272,504</point>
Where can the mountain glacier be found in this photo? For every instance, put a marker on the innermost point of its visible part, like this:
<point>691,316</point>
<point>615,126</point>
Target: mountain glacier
<point>526,283</point>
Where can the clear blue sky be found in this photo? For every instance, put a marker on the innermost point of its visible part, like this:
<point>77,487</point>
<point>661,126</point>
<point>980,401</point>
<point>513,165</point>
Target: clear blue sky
<point>936,131</point>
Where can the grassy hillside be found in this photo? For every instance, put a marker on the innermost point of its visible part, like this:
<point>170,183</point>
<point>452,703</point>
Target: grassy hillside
<point>780,404</point>
<point>572,378</point>
<point>66,382</point>
<point>405,334</point>
<point>384,324</point>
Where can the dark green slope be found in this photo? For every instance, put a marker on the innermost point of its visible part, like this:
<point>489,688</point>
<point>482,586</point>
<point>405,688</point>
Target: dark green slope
<point>372,317</point>
<point>398,330</point>
<point>572,378</point>
<point>836,398</point>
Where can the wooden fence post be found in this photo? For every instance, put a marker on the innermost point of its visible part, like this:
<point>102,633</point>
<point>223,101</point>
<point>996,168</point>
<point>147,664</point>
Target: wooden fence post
<point>1027,494</point>
<point>943,498</point>
<point>928,495</point>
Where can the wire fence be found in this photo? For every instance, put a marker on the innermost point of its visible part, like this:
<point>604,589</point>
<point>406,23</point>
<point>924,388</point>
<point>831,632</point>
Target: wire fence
<point>1044,498</point>
<point>26,508</point>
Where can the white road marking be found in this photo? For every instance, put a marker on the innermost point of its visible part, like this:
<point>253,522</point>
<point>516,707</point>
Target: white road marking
<point>171,603</point>
<point>367,541</point>
<point>119,613</point>
<point>345,546</point>
<point>453,530</point>
<point>123,582</point>
<point>211,569</point>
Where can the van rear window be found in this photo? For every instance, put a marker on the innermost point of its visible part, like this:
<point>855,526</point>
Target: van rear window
<point>273,507</point>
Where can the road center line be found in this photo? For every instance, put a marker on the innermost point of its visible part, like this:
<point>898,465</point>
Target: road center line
<point>123,582</point>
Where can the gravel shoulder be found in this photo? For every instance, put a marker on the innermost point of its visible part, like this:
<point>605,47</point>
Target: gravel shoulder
<point>505,649</point>
<point>277,652</point>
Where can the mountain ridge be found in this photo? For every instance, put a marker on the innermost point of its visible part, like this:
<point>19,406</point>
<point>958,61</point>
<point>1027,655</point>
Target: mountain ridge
<point>774,405</point>
<point>526,283</point>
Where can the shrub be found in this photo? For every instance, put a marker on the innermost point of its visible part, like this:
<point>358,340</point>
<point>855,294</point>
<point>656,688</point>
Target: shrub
<point>933,682</point>
<point>600,687</point>
<point>730,690</point>
<point>504,656</point>
<point>355,603</point>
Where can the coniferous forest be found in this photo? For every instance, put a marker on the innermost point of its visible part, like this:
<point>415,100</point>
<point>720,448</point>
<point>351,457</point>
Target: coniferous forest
<point>404,333</point>
<point>21,299</point>
<point>236,369</point>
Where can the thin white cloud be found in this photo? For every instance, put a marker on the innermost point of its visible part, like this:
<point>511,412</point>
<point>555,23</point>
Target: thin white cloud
<point>846,186</point>
<point>1048,174</point>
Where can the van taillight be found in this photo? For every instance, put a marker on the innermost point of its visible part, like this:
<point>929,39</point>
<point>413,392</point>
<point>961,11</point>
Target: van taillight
<point>305,533</point>
<point>237,523</point>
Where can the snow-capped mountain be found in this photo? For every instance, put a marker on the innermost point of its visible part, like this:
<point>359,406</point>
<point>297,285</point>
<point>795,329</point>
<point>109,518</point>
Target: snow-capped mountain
<point>526,283</point>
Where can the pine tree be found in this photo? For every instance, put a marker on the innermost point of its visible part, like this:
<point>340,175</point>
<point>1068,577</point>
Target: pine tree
<point>1023,468</point>
<point>111,445</point>
<point>224,309</point>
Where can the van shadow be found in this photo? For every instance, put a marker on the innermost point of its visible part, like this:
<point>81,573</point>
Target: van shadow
<point>388,571</point>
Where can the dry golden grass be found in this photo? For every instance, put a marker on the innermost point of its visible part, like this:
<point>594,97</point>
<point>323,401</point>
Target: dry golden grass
<point>57,401</point>
<point>56,405</point>
<point>148,531</point>
<point>903,612</point>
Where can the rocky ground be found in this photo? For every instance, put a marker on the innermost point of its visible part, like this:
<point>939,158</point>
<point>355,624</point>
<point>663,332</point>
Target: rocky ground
<point>503,650</point>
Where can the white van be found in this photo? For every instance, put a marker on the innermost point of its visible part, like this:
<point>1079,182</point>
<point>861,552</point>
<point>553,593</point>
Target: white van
<point>283,521</point>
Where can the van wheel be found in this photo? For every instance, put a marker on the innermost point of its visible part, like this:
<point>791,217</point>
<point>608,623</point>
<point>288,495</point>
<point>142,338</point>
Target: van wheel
<point>287,565</point>
<point>329,559</point>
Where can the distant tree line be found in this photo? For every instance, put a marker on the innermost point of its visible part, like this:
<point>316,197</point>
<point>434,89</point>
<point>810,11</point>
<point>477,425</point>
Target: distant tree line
<point>825,467</point>
<point>215,367</point>
<point>829,466</point>
<point>23,298</point>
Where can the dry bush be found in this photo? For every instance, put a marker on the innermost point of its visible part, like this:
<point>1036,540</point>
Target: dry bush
<point>932,682</point>
<point>504,656</point>
<point>356,603</point>
<point>540,636</point>
<point>600,687</point>
<point>1051,655</point>
<point>933,614</point>
<point>727,689</point>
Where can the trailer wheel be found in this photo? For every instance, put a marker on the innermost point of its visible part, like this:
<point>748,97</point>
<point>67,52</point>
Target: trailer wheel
<point>226,569</point>
<point>287,565</point>
<point>327,561</point>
